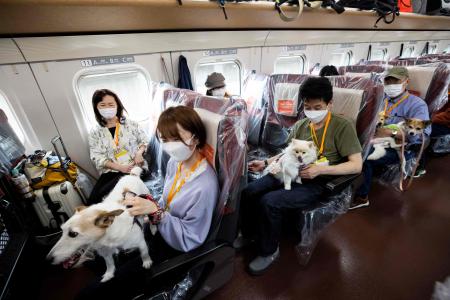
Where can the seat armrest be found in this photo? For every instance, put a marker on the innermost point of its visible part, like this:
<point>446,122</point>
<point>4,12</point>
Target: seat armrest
<point>183,259</point>
<point>339,183</point>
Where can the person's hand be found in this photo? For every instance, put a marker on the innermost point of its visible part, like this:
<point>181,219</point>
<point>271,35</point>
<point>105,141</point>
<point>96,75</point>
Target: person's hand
<point>383,132</point>
<point>139,159</point>
<point>139,206</point>
<point>311,171</point>
<point>126,169</point>
<point>256,165</point>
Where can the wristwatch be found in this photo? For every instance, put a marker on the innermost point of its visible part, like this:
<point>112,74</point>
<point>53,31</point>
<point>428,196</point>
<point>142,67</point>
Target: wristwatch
<point>266,163</point>
<point>394,133</point>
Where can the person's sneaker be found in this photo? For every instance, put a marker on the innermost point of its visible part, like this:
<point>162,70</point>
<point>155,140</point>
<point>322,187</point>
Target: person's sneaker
<point>359,202</point>
<point>260,264</point>
<point>420,172</point>
<point>241,242</point>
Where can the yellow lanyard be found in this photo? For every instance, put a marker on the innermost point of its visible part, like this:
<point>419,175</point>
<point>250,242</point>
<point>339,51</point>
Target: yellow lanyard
<point>314,136</point>
<point>174,190</point>
<point>386,113</point>
<point>116,135</point>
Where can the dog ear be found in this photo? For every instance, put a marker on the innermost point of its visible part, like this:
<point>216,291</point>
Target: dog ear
<point>106,218</point>
<point>426,123</point>
<point>80,208</point>
<point>311,145</point>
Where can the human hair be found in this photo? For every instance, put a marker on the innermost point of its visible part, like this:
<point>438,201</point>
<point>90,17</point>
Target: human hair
<point>328,71</point>
<point>98,97</point>
<point>187,118</point>
<point>317,88</point>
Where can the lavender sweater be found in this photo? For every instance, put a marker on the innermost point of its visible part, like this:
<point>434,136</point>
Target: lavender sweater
<point>185,226</point>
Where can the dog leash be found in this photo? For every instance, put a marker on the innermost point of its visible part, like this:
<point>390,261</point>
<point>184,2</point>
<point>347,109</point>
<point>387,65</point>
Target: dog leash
<point>402,160</point>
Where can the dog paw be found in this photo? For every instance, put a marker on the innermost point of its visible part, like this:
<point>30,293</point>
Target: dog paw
<point>107,276</point>
<point>370,157</point>
<point>146,264</point>
<point>287,187</point>
<point>298,180</point>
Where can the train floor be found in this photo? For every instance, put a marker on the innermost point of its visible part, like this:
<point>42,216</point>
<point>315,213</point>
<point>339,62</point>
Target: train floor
<point>397,248</point>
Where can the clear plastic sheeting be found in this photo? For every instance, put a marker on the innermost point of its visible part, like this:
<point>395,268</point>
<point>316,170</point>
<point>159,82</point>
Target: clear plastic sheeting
<point>276,127</point>
<point>441,144</point>
<point>11,149</point>
<point>317,219</point>
<point>361,69</point>
<point>366,109</point>
<point>252,93</point>
<point>442,290</point>
<point>231,141</point>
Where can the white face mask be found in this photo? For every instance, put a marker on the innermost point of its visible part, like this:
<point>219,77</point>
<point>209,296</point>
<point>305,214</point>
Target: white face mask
<point>178,150</point>
<point>316,116</point>
<point>393,90</point>
<point>218,92</point>
<point>108,113</point>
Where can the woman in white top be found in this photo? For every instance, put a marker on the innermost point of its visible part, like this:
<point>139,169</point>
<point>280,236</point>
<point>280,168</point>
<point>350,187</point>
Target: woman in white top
<point>116,145</point>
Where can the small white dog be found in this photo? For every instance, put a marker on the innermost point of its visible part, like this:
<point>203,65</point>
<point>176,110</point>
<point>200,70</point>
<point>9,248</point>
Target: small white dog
<point>296,155</point>
<point>105,227</point>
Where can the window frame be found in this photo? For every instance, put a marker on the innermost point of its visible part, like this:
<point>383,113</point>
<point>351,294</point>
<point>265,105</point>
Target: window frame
<point>99,70</point>
<point>412,48</point>
<point>210,61</point>
<point>302,56</point>
<point>22,136</point>
<point>346,54</point>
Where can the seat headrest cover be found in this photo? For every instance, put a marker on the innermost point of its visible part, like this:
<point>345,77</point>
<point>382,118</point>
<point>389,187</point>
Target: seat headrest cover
<point>211,121</point>
<point>363,75</point>
<point>420,80</point>
<point>347,102</point>
<point>286,99</point>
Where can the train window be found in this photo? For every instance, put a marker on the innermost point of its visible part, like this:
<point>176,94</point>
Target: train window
<point>230,69</point>
<point>447,50</point>
<point>379,54</point>
<point>290,65</point>
<point>130,85</point>
<point>12,118</point>
<point>342,58</point>
<point>408,52</point>
<point>432,49</point>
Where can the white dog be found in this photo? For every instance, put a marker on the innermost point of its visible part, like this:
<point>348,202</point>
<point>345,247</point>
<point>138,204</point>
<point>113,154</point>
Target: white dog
<point>296,155</point>
<point>105,227</point>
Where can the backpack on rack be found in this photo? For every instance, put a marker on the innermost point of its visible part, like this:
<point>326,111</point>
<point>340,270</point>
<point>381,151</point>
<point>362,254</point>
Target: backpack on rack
<point>387,10</point>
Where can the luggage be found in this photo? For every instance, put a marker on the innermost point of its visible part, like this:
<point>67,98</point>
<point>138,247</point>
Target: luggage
<point>383,8</point>
<point>56,204</point>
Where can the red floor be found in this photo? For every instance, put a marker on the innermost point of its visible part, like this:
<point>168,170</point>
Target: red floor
<point>395,249</point>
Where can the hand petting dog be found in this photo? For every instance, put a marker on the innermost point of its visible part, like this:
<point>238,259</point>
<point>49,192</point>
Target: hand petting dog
<point>138,206</point>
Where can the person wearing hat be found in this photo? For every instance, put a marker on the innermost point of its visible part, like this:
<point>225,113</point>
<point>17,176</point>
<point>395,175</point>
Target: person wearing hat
<point>398,105</point>
<point>215,84</point>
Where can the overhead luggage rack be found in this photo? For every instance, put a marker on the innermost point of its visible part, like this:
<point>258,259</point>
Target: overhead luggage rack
<point>28,17</point>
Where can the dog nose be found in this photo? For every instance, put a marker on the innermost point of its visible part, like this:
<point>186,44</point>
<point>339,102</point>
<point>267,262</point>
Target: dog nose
<point>411,133</point>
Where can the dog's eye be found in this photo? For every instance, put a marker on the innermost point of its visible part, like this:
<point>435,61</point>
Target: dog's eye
<point>417,128</point>
<point>73,234</point>
<point>410,127</point>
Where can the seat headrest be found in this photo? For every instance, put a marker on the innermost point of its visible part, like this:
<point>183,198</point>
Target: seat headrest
<point>363,75</point>
<point>286,99</point>
<point>211,121</point>
<point>420,80</point>
<point>347,102</point>
<point>253,92</point>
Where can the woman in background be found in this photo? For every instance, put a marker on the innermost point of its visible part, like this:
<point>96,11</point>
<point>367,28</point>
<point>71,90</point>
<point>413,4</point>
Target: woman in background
<point>116,145</point>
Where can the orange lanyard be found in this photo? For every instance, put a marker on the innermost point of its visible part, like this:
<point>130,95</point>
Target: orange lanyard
<point>314,136</point>
<point>174,190</point>
<point>116,135</point>
<point>386,113</point>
